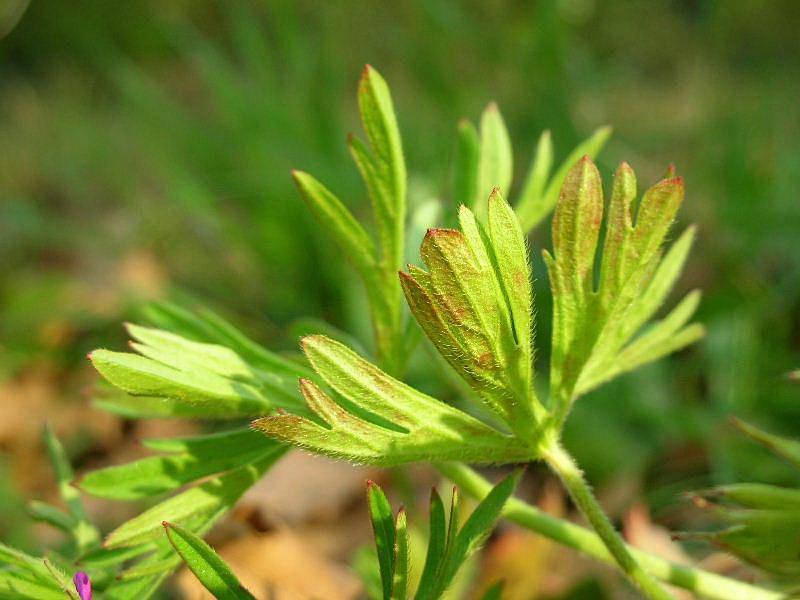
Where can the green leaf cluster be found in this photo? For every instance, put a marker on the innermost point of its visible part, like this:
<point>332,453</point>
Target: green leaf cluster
<point>474,301</point>
<point>484,160</point>
<point>762,522</point>
<point>450,543</point>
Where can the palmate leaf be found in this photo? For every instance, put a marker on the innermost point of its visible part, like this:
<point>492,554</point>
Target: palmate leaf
<point>595,330</point>
<point>475,304</point>
<point>193,378</point>
<point>376,419</point>
<point>206,564</point>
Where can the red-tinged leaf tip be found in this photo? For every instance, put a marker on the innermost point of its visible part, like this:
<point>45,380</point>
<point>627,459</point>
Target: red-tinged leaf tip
<point>441,232</point>
<point>586,160</point>
<point>165,524</point>
<point>89,356</point>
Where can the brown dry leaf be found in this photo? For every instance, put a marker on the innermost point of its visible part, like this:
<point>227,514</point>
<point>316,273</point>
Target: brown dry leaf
<point>279,566</point>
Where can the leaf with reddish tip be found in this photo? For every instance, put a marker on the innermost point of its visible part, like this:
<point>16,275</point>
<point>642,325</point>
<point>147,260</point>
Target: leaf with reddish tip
<point>594,332</point>
<point>576,228</point>
<point>619,228</point>
<point>656,213</point>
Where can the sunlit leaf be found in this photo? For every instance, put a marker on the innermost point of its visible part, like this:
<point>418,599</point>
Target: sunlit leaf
<point>206,565</point>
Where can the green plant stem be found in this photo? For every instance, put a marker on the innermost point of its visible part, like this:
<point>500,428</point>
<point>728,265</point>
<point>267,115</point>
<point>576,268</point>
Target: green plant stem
<point>563,464</point>
<point>703,583</point>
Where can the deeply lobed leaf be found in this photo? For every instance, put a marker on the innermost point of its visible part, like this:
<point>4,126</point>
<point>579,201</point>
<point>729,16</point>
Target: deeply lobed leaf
<point>475,304</point>
<point>376,419</point>
<point>595,330</point>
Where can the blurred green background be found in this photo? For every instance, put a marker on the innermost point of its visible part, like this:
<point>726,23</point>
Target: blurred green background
<point>145,150</point>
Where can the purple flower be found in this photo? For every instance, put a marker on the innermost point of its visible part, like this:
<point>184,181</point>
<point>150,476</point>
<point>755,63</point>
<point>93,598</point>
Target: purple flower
<point>83,585</point>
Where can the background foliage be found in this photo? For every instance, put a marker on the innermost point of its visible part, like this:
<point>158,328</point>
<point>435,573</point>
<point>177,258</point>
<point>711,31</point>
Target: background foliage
<point>146,149</point>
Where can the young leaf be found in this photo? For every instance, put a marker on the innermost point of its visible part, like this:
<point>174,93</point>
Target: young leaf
<point>338,221</point>
<point>380,420</point>
<point>84,534</point>
<point>16,587</point>
<point>785,448</point>
<point>534,186</point>
<point>474,303</point>
<point>208,327</point>
<point>495,166</point>
<point>383,530</point>
<point>465,169</point>
<point>206,564</point>
<point>437,542</point>
<point>755,495</point>
<point>386,179</point>
<point>532,209</point>
<point>401,557</point>
<point>477,527</point>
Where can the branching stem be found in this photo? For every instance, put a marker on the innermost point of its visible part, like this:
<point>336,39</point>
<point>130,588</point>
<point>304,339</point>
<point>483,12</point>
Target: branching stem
<point>572,477</point>
<point>703,583</point>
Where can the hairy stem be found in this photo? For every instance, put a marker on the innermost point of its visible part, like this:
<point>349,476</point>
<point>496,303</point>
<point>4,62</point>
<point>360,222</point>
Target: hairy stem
<point>572,477</point>
<point>703,583</point>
